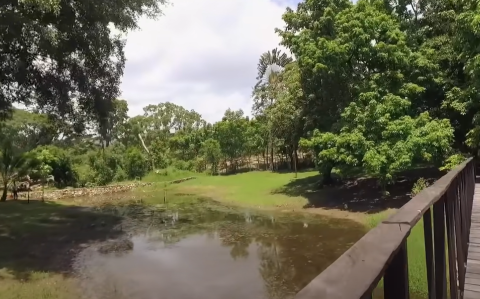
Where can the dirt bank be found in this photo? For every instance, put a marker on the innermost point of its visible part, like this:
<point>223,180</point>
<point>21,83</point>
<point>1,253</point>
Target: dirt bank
<point>94,191</point>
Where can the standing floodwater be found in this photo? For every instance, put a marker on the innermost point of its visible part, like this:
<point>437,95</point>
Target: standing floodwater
<point>217,254</point>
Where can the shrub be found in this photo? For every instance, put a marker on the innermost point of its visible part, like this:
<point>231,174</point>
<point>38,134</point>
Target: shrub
<point>184,165</point>
<point>200,165</point>
<point>84,175</point>
<point>135,164</point>
<point>452,161</point>
<point>120,175</point>
<point>105,166</point>
<point>419,185</point>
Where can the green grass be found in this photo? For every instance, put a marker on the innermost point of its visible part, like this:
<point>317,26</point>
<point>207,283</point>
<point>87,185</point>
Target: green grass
<point>253,189</point>
<point>169,174</point>
<point>38,241</point>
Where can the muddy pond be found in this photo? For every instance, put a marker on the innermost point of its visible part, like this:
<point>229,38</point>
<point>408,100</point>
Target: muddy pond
<point>215,252</point>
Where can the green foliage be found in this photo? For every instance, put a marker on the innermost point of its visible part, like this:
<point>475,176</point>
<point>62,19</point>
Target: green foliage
<point>419,185</point>
<point>324,147</point>
<point>371,90</point>
<point>212,153</point>
<point>104,166</point>
<point>184,165</point>
<point>200,165</point>
<point>59,160</point>
<point>452,161</point>
<point>135,164</point>
<point>45,31</point>
<point>84,175</point>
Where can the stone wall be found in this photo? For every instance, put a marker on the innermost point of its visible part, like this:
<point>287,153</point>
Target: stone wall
<point>77,192</point>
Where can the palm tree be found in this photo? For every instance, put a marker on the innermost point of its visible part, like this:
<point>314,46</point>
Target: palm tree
<point>13,160</point>
<point>270,66</point>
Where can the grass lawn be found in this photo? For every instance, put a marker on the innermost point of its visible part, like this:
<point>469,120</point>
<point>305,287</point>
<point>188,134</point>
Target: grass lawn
<point>38,241</point>
<point>257,189</point>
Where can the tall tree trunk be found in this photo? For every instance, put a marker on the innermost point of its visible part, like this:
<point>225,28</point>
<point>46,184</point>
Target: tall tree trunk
<point>265,158</point>
<point>295,161</point>
<point>290,156</point>
<point>327,175</point>
<point>5,190</point>
<point>271,157</point>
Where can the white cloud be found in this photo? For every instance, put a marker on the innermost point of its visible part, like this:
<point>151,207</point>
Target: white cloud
<point>202,55</point>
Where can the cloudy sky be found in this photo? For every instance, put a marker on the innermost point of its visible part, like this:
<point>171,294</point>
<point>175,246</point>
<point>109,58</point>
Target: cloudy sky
<point>202,54</point>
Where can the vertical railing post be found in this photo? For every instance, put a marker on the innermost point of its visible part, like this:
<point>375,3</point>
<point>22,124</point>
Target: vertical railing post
<point>459,234</point>
<point>428,238</point>
<point>471,187</point>
<point>395,280</point>
<point>439,240</point>
<point>464,211</point>
<point>451,238</point>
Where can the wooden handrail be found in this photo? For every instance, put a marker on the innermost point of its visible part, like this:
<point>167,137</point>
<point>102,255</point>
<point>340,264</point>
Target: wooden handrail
<point>382,252</point>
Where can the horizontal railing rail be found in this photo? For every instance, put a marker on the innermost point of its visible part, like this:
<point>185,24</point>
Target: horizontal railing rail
<point>446,209</point>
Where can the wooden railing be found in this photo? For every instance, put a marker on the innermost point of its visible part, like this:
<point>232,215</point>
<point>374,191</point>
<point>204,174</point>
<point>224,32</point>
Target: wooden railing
<point>382,252</point>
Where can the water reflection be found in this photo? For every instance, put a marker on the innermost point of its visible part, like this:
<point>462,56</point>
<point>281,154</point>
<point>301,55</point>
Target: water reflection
<point>217,254</point>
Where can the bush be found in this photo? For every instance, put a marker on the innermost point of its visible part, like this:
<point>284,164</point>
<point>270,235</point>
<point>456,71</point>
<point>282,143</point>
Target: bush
<point>200,165</point>
<point>135,164</point>
<point>452,161</point>
<point>61,164</point>
<point>419,186</point>
<point>120,175</point>
<point>105,166</point>
<point>84,175</point>
<point>184,165</point>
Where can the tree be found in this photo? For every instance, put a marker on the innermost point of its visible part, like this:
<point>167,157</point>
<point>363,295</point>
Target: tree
<point>62,56</point>
<point>13,155</point>
<point>266,91</point>
<point>270,64</point>
<point>111,128</point>
<point>212,153</point>
<point>330,64</point>
<point>135,163</point>
<point>44,158</point>
<point>286,113</point>
<point>231,135</point>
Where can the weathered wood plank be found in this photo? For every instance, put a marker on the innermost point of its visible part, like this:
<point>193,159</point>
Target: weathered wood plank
<point>471,295</point>
<point>473,256</point>
<point>439,248</point>
<point>473,275</point>
<point>472,280</point>
<point>429,259</point>
<point>472,287</point>
<point>475,249</point>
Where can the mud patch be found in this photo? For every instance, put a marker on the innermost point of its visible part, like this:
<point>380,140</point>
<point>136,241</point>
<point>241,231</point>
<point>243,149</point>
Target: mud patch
<point>116,246</point>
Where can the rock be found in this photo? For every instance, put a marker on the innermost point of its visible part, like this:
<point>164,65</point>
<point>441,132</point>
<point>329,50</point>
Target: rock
<point>94,191</point>
<point>121,245</point>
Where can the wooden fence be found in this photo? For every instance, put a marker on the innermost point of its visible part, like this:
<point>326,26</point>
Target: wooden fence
<point>446,208</point>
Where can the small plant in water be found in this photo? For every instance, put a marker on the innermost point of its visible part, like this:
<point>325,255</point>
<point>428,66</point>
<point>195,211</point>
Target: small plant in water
<point>419,186</point>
